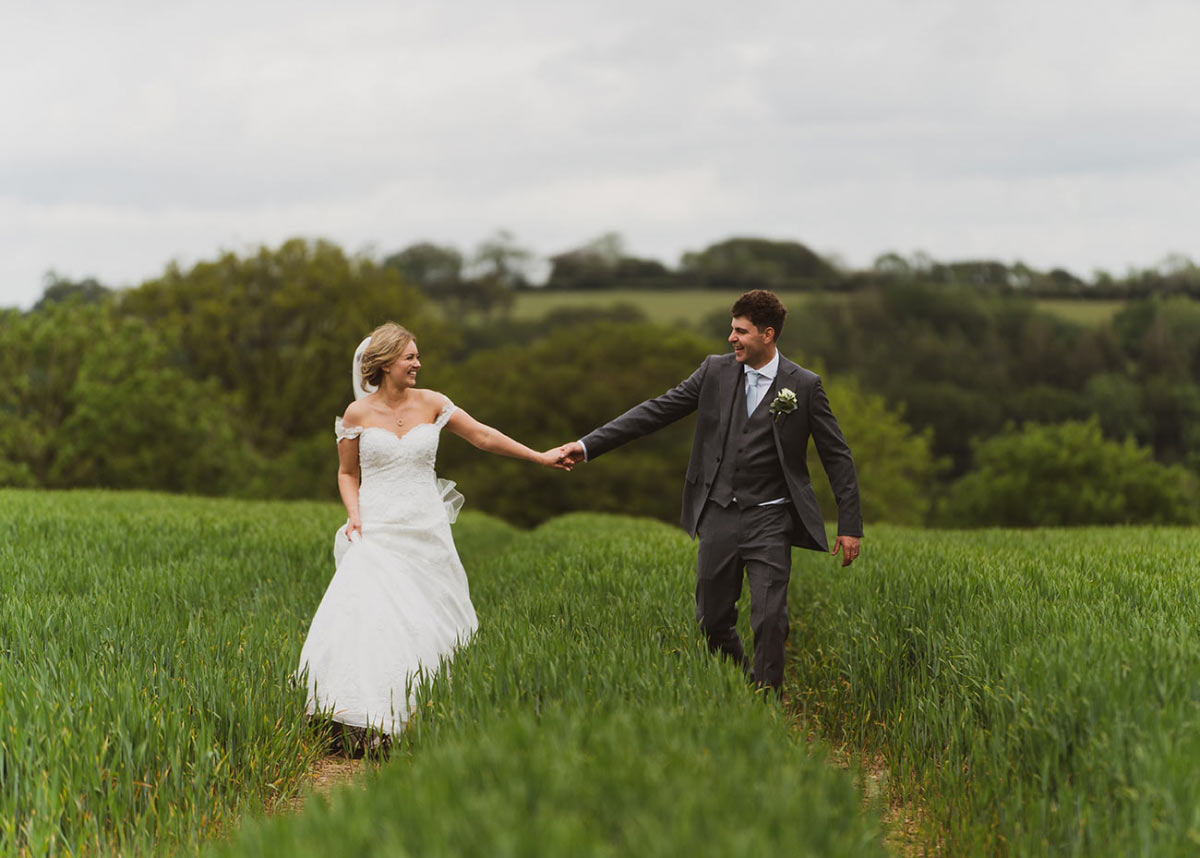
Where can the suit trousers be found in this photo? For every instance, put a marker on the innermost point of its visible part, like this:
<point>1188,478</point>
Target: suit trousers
<point>757,539</point>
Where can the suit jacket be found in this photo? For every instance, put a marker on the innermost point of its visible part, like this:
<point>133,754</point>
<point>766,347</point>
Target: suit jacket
<point>709,391</point>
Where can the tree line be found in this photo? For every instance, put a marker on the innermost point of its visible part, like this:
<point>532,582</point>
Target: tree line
<point>225,378</point>
<point>743,263</point>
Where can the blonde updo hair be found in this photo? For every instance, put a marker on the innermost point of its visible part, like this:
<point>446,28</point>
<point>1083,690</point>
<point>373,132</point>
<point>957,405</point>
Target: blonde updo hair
<point>388,343</point>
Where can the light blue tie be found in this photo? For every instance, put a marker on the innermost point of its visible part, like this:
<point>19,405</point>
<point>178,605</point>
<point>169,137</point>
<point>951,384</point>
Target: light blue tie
<point>752,378</point>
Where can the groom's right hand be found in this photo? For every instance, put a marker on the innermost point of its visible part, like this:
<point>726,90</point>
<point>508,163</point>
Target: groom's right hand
<point>573,453</point>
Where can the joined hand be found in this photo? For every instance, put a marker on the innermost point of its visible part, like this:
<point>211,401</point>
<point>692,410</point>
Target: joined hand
<point>572,454</point>
<point>557,457</point>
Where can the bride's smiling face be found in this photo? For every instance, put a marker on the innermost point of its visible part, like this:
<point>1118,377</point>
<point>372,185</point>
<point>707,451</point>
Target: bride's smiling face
<point>403,370</point>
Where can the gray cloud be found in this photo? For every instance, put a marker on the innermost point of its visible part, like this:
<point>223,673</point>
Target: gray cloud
<point>1058,133</point>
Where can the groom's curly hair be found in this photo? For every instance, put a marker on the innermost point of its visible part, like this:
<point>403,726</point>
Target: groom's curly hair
<point>762,308</point>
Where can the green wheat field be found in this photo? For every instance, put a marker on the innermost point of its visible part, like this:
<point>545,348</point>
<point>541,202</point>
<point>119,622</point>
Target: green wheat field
<point>689,307</point>
<point>1030,693</point>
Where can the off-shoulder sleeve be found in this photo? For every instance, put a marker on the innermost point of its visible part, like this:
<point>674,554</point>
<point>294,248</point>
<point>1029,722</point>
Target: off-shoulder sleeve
<point>447,410</point>
<point>344,432</point>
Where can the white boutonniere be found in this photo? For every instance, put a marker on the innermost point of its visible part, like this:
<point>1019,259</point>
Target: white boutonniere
<point>784,403</point>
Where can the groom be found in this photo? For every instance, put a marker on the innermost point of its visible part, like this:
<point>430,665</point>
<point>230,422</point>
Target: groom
<point>747,492</point>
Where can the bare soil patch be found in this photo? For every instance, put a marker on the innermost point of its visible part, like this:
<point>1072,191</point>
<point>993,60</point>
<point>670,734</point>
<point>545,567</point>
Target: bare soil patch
<point>329,773</point>
<point>902,818</point>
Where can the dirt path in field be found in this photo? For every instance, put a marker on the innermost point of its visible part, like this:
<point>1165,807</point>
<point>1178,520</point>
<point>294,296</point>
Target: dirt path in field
<point>327,774</point>
<point>901,819</point>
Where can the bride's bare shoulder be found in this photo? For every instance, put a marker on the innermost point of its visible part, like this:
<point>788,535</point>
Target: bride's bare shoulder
<point>356,413</point>
<point>433,399</point>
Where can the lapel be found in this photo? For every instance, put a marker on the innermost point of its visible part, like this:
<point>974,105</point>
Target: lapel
<point>783,378</point>
<point>728,388</point>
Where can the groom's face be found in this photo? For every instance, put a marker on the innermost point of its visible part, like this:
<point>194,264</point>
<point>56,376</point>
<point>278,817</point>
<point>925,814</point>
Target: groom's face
<point>750,345</point>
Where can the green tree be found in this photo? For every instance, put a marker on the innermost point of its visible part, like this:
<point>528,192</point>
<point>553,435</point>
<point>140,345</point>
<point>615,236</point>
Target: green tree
<point>89,290</point>
<point>1068,474</point>
<point>277,329</point>
<point>430,266</point>
<point>758,263</point>
<point>500,259</point>
<point>136,421</point>
<point>603,264</point>
<point>896,467</point>
<point>1115,399</point>
<point>40,356</point>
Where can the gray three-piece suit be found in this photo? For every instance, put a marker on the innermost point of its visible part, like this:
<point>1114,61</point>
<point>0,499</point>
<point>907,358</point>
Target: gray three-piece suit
<point>738,465</point>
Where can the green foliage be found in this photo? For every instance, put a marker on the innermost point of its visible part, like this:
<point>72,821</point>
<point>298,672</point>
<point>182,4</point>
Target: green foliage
<point>1115,399</point>
<point>502,261</point>
<point>962,362</point>
<point>1032,693</point>
<point>896,468</point>
<point>89,290</point>
<point>557,388</point>
<point>18,430</point>
<point>132,413</point>
<point>428,265</point>
<point>222,379</point>
<point>306,469</point>
<point>1068,474</point>
<point>40,356</point>
<point>96,400</point>
<point>277,329</point>
<point>603,264</point>
<point>740,264</point>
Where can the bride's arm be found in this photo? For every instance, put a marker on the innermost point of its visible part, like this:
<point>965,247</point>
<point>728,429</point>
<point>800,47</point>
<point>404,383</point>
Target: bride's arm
<point>348,478</point>
<point>492,440</point>
<point>348,470</point>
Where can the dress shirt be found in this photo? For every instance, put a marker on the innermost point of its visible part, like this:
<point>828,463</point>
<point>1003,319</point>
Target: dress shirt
<point>768,370</point>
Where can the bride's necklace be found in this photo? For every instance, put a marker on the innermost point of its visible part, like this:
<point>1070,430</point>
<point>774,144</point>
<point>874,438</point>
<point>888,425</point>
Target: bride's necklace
<point>399,420</point>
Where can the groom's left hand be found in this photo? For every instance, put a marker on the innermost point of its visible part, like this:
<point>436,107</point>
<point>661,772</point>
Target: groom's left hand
<point>849,546</point>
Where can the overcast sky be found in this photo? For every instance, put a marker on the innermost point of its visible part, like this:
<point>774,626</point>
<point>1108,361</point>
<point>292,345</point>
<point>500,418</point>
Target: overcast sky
<point>134,133</point>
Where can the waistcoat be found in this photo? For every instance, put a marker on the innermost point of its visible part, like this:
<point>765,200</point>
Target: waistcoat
<point>750,471</point>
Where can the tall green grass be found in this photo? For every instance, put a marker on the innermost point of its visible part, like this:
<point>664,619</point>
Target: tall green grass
<point>587,718</point>
<point>145,704</point>
<point>146,643</point>
<point>1036,693</point>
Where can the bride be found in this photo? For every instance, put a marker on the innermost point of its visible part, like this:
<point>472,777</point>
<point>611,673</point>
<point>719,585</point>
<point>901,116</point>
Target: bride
<point>398,604</point>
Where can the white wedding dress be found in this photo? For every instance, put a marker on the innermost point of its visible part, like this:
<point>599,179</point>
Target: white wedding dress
<point>398,604</point>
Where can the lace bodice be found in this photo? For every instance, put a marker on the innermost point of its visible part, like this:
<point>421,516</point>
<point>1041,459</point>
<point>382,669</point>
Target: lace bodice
<point>398,483</point>
<point>398,605</point>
